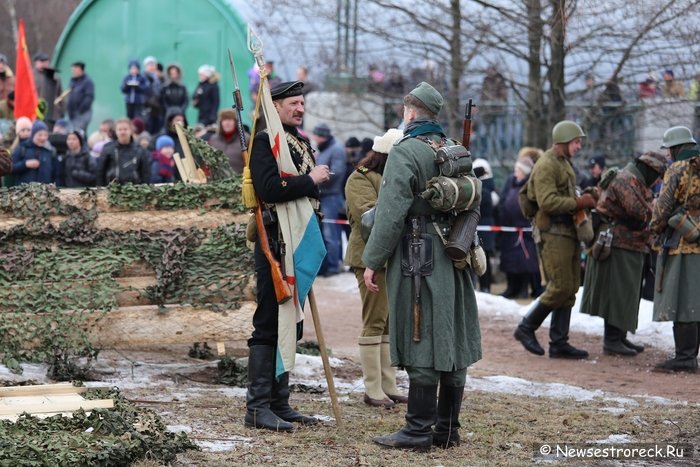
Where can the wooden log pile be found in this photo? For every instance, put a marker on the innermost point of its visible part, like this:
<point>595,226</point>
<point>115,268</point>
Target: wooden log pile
<point>138,316</point>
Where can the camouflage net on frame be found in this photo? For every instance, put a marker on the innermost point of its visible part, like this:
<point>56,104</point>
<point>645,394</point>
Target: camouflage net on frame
<point>58,277</point>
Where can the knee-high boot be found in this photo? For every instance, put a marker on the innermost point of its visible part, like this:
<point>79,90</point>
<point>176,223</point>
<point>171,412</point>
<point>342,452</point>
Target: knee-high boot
<point>525,331</point>
<point>279,403</point>
<point>559,346</point>
<point>420,417</point>
<point>446,433</point>
<point>261,373</point>
<point>372,371</point>
<point>685,336</point>
<point>389,374</point>
<point>613,343</point>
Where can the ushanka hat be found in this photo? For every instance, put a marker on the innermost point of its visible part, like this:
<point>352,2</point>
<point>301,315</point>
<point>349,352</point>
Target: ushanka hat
<point>288,89</point>
<point>429,96</point>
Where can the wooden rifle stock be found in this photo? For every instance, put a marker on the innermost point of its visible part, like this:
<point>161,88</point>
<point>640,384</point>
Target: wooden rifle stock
<point>467,125</point>
<point>416,322</point>
<point>282,292</point>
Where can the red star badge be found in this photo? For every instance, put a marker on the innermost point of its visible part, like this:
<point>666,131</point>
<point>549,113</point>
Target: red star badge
<point>284,183</point>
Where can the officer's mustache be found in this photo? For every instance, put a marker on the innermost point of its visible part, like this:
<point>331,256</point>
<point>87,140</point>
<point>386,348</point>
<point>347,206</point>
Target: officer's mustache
<point>298,114</point>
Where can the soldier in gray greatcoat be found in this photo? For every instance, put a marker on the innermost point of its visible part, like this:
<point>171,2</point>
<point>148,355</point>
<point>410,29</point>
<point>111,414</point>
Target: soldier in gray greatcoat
<point>450,339</point>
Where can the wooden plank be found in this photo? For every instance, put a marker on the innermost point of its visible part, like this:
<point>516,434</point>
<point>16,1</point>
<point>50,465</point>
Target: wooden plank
<point>41,389</point>
<point>148,326</point>
<point>66,406</point>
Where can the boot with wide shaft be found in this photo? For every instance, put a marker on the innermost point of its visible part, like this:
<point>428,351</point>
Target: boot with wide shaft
<point>636,347</point>
<point>420,418</point>
<point>446,432</point>
<point>279,404</point>
<point>559,346</point>
<point>261,370</point>
<point>612,342</point>
<point>525,331</point>
<point>389,374</point>
<point>685,336</point>
<point>370,357</point>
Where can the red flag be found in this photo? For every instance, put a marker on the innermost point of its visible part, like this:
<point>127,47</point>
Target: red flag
<point>25,91</point>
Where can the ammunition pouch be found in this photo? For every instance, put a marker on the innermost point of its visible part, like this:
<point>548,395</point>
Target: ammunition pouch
<point>453,194</point>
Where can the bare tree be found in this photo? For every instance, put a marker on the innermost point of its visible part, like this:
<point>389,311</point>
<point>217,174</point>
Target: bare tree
<point>44,21</point>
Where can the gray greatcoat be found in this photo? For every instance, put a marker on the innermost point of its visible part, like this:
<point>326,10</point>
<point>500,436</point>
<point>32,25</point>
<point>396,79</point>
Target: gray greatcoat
<point>450,336</point>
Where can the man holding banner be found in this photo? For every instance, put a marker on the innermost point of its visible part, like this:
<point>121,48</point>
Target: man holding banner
<point>286,181</point>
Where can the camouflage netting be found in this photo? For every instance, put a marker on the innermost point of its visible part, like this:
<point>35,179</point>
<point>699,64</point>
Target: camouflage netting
<point>105,437</point>
<point>60,270</point>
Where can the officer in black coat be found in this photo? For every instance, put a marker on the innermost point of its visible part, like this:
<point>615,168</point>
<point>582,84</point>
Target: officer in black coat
<point>267,400</point>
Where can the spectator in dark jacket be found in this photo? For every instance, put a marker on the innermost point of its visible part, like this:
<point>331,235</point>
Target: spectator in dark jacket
<point>518,253</point>
<point>174,93</point>
<point>82,94</point>
<point>76,164</point>
<point>206,96</point>
<point>123,160</point>
<point>33,161</point>
<point>134,87</point>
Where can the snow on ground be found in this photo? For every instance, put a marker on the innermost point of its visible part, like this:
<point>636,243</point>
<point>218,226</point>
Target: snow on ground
<point>657,334</point>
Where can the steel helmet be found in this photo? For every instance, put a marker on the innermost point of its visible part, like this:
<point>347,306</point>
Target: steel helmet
<point>677,135</point>
<point>655,161</point>
<point>565,131</point>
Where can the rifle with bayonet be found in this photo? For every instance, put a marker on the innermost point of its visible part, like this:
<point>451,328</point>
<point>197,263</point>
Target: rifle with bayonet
<point>282,291</point>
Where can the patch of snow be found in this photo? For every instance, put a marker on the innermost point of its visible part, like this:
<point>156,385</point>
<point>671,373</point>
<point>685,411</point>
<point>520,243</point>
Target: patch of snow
<point>231,391</point>
<point>510,385</point>
<point>649,332</point>
<point>179,428</point>
<point>35,371</point>
<point>614,410</point>
<point>220,446</point>
<point>614,439</point>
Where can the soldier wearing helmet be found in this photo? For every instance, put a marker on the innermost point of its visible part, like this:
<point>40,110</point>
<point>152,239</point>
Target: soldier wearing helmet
<point>624,207</point>
<point>552,187</point>
<point>678,265</point>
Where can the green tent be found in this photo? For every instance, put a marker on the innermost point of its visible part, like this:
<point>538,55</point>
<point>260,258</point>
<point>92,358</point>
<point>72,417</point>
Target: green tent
<point>106,34</point>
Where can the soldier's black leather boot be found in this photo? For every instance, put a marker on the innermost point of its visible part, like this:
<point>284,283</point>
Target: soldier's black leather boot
<point>685,336</point>
<point>446,432</point>
<point>636,347</point>
<point>279,403</point>
<point>525,331</point>
<point>612,342</point>
<point>420,417</point>
<point>559,346</point>
<point>261,369</point>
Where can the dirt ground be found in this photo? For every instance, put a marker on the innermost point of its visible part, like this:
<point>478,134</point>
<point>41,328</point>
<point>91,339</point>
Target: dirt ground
<point>503,355</point>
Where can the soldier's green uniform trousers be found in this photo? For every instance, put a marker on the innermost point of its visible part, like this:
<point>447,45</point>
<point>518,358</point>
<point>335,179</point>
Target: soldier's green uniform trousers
<point>560,260</point>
